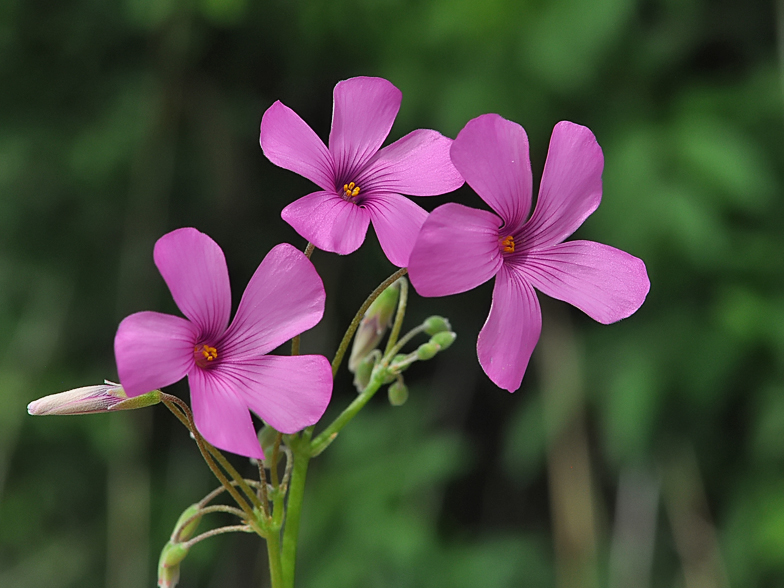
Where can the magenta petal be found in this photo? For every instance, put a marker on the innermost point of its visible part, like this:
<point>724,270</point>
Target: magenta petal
<point>284,297</point>
<point>288,393</point>
<point>571,187</point>
<point>362,116</point>
<point>456,250</point>
<point>396,221</point>
<point>511,331</point>
<point>194,269</point>
<point>221,414</point>
<point>290,143</point>
<point>328,221</point>
<point>418,164</point>
<point>605,283</point>
<point>492,155</point>
<point>153,350</point>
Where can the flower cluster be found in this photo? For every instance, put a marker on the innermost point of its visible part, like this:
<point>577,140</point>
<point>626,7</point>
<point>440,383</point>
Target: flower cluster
<point>451,250</point>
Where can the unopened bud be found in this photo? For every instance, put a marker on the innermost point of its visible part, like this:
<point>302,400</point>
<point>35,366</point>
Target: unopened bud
<point>427,350</point>
<point>91,399</point>
<point>267,439</point>
<point>398,393</point>
<point>364,370</point>
<point>187,523</point>
<point>444,339</point>
<point>374,324</point>
<point>169,564</point>
<point>436,324</point>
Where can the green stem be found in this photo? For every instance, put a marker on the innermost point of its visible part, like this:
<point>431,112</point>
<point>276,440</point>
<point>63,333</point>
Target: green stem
<point>402,301</point>
<point>273,554</point>
<point>358,317</point>
<point>328,435</point>
<point>294,511</point>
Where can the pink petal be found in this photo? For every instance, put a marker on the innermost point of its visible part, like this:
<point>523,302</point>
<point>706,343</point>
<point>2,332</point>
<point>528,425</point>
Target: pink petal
<point>605,283</point>
<point>290,143</point>
<point>456,250</point>
<point>362,116</point>
<point>284,297</point>
<point>511,331</point>
<point>397,221</point>
<point>194,269</point>
<point>153,350</point>
<point>492,155</point>
<point>288,393</point>
<point>328,221</point>
<point>571,187</point>
<point>221,414</point>
<point>418,164</point>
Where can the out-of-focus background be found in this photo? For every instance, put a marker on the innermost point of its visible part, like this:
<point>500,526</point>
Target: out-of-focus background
<point>649,453</point>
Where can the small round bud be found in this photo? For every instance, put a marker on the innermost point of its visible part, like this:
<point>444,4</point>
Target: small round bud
<point>436,324</point>
<point>444,339</point>
<point>398,393</point>
<point>427,350</point>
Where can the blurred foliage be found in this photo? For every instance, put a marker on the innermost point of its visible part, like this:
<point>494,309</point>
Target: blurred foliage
<point>120,121</point>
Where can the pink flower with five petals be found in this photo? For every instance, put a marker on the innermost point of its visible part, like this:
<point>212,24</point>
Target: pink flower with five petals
<point>360,183</point>
<point>228,369</point>
<point>460,248</point>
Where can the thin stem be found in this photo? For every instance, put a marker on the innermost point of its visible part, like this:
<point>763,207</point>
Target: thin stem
<point>391,353</point>
<point>294,511</point>
<point>218,531</point>
<point>358,317</point>
<point>309,249</point>
<point>235,475</point>
<point>328,435</point>
<point>206,510</point>
<point>262,492</point>
<point>402,301</point>
<point>182,412</point>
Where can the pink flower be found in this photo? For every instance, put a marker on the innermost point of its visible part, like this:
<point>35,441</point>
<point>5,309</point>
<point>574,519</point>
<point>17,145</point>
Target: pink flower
<point>460,248</point>
<point>359,184</point>
<point>228,369</point>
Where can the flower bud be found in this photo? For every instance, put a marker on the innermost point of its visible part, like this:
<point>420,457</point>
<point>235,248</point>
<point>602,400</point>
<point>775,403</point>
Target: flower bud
<point>187,523</point>
<point>267,437</point>
<point>169,564</point>
<point>444,339</point>
<point>374,324</point>
<point>91,399</point>
<point>398,393</point>
<point>427,350</point>
<point>436,324</point>
<point>364,370</point>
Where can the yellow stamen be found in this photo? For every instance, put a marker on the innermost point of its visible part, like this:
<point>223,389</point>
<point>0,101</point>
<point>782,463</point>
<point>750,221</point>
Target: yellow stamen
<point>207,352</point>
<point>508,244</point>
<point>350,190</point>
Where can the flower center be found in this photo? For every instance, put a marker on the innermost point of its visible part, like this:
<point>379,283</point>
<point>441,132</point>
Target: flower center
<point>507,244</point>
<point>204,354</point>
<point>350,190</point>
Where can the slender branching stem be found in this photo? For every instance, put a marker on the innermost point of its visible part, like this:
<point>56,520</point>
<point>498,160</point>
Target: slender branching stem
<point>358,317</point>
<point>218,531</point>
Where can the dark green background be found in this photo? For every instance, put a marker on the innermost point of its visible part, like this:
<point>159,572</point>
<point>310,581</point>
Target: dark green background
<point>646,453</point>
